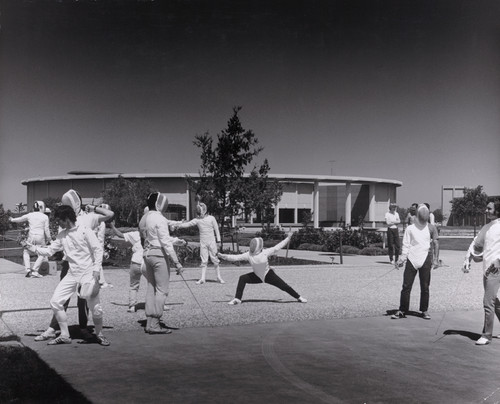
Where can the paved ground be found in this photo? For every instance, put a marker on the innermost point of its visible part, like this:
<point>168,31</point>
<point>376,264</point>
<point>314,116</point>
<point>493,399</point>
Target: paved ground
<point>339,347</point>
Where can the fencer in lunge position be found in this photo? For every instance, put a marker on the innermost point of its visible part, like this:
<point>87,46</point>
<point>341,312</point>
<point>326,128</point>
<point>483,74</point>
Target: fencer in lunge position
<point>84,254</point>
<point>258,257</point>
<point>90,217</point>
<point>486,248</point>
<point>157,244</point>
<point>39,234</point>
<point>209,237</point>
<point>420,244</point>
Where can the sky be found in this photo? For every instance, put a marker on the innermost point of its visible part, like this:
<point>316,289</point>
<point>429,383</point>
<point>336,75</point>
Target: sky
<point>402,90</point>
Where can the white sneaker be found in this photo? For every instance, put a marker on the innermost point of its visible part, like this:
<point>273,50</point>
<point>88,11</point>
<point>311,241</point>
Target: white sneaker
<point>220,280</point>
<point>200,282</point>
<point>234,301</point>
<point>36,275</point>
<point>106,285</point>
<point>132,309</point>
<point>44,336</point>
<point>302,299</point>
<point>483,341</point>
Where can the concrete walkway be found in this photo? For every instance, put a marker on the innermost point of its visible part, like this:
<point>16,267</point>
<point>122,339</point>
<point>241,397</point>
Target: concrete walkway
<point>340,347</point>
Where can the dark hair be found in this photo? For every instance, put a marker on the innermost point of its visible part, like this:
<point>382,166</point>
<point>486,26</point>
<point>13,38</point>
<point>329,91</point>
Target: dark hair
<point>151,201</point>
<point>64,212</point>
<point>428,206</point>
<point>496,204</point>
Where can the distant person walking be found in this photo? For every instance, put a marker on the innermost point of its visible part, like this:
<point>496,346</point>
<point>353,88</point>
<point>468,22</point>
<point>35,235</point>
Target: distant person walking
<point>392,220</point>
<point>486,248</point>
<point>38,234</point>
<point>418,256</point>
<point>258,257</point>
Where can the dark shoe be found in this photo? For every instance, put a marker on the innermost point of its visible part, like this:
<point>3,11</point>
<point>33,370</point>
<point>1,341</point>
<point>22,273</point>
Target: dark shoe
<point>397,315</point>
<point>425,315</point>
<point>28,274</point>
<point>86,334</point>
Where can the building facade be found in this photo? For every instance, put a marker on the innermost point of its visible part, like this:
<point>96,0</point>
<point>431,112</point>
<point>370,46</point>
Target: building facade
<point>330,201</point>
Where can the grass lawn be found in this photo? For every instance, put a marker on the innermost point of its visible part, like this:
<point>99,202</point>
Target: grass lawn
<point>25,378</point>
<point>454,244</point>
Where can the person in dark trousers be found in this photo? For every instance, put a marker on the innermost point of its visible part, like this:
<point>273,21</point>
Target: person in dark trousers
<point>392,220</point>
<point>418,255</point>
<point>262,273</point>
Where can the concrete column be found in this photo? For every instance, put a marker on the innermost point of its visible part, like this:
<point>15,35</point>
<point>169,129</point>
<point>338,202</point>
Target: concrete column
<point>296,209</point>
<point>276,215</point>
<point>188,203</point>
<point>316,204</point>
<point>371,209</point>
<point>348,198</point>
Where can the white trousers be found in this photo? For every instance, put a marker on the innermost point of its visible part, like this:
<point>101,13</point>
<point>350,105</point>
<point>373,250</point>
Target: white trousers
<point>69,285</point>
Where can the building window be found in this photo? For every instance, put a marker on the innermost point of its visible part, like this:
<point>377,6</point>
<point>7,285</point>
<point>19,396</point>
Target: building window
<point>286,216</point>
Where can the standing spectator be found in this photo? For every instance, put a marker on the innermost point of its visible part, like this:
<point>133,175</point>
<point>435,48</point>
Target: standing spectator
<point>392,220</point>
<point>38,234</point>
<point>136,264</point>
<point>157,245</point>
<point>432,218</point>
<point>84,254</point>
<point>207,226</point>
<point>419,257</point>
<point>486,248</point>
<point>412,214</point>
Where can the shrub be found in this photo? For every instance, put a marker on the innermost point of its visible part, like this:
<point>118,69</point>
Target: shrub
<point>274,233</point>
<point>308,235</point>
<point>347,249</point>
<point>311,247</point>
<point>373,251</point>
<point>373,238</point>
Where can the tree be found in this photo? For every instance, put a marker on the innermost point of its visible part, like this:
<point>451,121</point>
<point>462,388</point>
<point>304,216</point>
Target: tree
<point>438,216</point>
<point>127,199</point>
<point>259,194</point>
<point>222,184</point>
<point>473,203</point>
<point>4,219</point>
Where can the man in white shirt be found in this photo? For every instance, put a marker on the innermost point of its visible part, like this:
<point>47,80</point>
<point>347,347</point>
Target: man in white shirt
<point>90,217</point>
<point>419,257</point>
<point>158,243</point>
<point>84,255</point>
<point>39,234</point>
<point>392,220</point>
<point>486,248</point>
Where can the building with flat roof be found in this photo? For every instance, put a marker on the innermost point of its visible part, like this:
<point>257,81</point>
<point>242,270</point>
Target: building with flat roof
<point>331,200</point>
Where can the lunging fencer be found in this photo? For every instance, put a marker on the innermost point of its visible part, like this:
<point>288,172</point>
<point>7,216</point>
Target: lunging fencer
<point>84,255</point>
<point>420,244</point>
<point>38,234</point>
<point>486,248</point>
<point>209,237</point>
<point>158,245</point>
<point>258,257</point>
